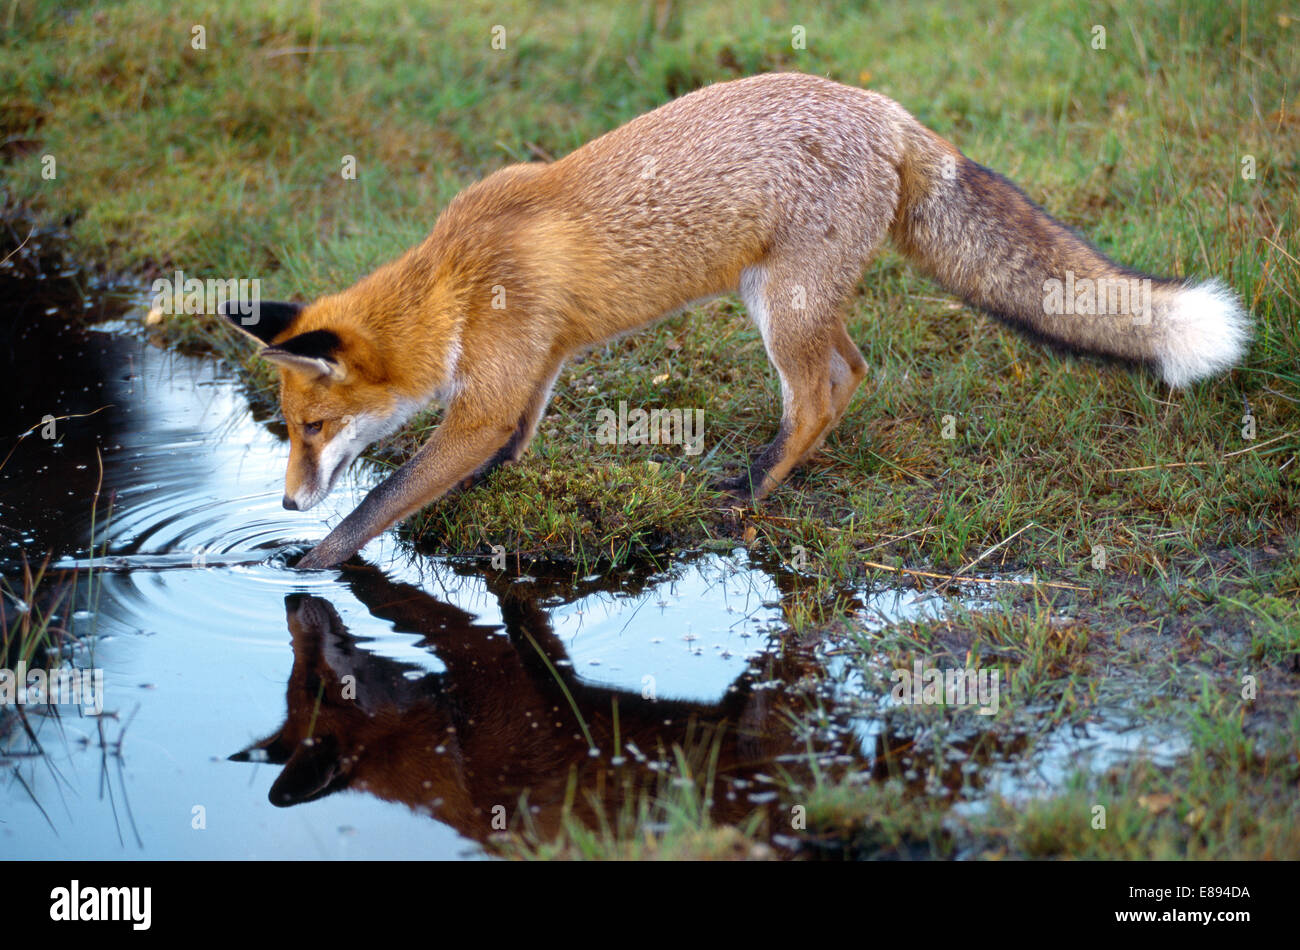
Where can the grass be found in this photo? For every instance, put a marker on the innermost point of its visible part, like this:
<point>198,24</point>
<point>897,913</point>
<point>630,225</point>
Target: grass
<point>663,819</point>
<point>38,626</point>
<point>1175,511</point>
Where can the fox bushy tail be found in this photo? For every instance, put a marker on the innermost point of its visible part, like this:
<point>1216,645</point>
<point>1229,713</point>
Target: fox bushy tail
<point>984,240</point>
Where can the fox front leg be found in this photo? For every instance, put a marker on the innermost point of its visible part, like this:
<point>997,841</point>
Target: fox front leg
<point>457,448</point>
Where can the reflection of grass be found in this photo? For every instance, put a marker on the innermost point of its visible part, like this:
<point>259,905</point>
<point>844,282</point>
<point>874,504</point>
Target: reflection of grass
<point>29,611</point>
<point>33,640</point>
<point>30,607</point>
<point>35,636</point>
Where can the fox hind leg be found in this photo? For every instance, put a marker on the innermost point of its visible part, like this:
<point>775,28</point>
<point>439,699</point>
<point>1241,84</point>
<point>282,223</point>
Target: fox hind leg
<point>818,365</point>
<point>848,369</point>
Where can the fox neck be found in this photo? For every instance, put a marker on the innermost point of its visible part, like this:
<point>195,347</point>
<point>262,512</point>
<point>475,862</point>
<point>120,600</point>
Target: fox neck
<point>411,326</point>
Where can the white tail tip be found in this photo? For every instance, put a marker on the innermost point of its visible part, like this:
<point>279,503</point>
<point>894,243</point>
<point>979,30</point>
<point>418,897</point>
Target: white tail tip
<point>1206,332</point>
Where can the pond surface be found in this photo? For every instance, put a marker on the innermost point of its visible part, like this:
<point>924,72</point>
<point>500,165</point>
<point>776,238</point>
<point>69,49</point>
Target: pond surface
<point>410,708</point>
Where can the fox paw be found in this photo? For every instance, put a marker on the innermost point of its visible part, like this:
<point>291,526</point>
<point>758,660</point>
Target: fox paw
<point>739,487</point>
<point>322,557</point>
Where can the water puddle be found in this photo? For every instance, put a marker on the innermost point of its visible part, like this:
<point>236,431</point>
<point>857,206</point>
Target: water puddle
<point>253,712</point>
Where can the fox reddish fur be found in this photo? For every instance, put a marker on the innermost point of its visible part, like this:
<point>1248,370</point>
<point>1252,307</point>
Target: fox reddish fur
<point>781,187</point>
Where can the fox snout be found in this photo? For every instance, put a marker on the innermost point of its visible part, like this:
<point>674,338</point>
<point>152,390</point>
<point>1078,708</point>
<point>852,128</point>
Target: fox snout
<point>303,487</point>
<point>307,483</point>
<point>314,466</point>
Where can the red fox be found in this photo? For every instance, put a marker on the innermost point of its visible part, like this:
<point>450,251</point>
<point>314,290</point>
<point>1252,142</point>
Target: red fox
<point>781,187</point>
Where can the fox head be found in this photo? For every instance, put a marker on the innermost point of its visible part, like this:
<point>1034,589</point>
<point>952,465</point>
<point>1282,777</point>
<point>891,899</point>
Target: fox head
<point>333,391</point>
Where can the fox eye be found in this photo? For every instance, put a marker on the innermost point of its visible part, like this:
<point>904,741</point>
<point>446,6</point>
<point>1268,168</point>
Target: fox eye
<point>312,428</point>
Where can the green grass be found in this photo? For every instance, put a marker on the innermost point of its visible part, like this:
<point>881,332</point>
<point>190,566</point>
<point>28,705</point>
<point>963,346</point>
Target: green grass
<point>226,162</point>
<point>38,627</point>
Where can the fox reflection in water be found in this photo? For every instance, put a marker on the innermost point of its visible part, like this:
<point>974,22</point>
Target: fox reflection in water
<point>507,718</point>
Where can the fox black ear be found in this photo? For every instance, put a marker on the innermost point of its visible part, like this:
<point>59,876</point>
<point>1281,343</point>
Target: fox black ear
<point>262,320</point>
<point>313,354</point>
<point>274,750</point>
<point>313,771</point>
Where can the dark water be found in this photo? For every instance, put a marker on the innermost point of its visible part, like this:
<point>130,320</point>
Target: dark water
<point>411,708</point>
